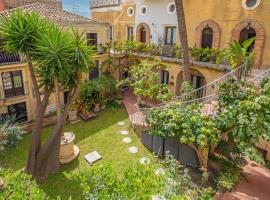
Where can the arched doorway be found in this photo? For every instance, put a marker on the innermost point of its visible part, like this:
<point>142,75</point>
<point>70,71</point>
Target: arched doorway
<point>249,28</point>
<point>208,34</point>
<point>207,37</point>
<point>143,33</point>
<point>246,34</point>
<point>197,79</point>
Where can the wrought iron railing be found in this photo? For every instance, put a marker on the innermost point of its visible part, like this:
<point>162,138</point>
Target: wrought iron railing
<point>103,3</point>
<point>14,91</point>
<point>6,58</point>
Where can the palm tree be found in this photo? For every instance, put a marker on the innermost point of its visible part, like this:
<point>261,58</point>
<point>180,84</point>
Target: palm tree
<point>62,57</point>
<point>18,33</point>
<point>183,39</point>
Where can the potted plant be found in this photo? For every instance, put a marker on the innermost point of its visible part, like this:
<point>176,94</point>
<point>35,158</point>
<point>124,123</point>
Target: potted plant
<point>72,114</point>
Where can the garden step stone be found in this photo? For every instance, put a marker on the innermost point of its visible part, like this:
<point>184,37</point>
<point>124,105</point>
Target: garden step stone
<point>121,123</point>
<point>133,150</point>
<point>124,132</point>
<point>127,140</point>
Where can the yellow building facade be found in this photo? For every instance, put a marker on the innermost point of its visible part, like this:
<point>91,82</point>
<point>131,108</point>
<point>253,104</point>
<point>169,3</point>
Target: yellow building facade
<point>120,17</point>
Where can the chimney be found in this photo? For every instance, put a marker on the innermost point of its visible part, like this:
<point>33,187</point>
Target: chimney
<point>2,5</point>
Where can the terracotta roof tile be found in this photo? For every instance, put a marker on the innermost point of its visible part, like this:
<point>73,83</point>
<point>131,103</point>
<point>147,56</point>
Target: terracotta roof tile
<point>50,13</point>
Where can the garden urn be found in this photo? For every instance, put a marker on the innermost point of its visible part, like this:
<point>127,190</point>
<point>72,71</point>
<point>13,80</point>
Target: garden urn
<point>68,151</point>
<point>72,115</point>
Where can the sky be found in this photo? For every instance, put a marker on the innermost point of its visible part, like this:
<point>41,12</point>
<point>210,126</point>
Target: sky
<point>80,7</point>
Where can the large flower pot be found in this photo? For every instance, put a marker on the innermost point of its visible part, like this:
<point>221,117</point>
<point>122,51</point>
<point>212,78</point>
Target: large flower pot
<point>68,151</point>
<point>97,108</point>
<point>72,115</point>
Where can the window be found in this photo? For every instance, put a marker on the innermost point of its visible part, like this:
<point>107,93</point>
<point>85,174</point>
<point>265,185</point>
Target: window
<point>130,11</point>
<point>250,4</point>
<point>13,83</point>
<point>246,34</point>
<point>170,35</point>
<point>111,33</point>
<point>164,77</point>
<point>207,38</point>
<point>143,35</point>
<point>92,39</point>
<point>171,8</point>
<point>198,82</point>
<point>19,110</point>
<point>94,73</point>
<point>143,10</point>
<point>130,34</point>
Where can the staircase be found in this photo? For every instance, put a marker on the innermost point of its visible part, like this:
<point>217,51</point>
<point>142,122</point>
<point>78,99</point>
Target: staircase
<point>206,95</point>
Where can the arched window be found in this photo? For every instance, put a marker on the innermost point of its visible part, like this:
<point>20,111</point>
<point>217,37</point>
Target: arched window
<point>143,35</point>
<point>207,38</point>
<point>246,34</point>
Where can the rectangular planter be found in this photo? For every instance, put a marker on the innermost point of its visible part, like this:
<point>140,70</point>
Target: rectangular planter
<point>147,140</point>
<point>158,145</point>
<point>171,146</point>
<point>187,156</point>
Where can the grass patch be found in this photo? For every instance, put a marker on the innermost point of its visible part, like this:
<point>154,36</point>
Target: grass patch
<point>101,134</point>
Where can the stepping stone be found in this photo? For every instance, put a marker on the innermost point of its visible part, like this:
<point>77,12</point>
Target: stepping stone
<point>133,150</point>
<point>92,157</point>
<point>121,123</point>
<point>156,197</point>
<point>160,171</point>
<point>127,140</point>
<point>144,161</point>
<point>124,132</point>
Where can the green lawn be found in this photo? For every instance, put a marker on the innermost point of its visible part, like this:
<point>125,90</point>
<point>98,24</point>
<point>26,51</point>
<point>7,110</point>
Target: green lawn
<point>101,134</point>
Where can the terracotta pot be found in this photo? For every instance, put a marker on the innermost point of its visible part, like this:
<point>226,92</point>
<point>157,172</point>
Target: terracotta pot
<point>97,108</point>
<point>72,115</point>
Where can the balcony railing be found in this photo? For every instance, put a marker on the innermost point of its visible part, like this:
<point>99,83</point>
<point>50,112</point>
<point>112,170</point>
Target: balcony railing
<point>104,3</point>
<point>15,91</point>
<point>6,58</point>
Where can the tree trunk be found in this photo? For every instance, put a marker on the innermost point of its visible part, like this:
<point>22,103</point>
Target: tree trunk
<point>47,159</point>
<point>202,153</point>
<point>36,134</point>
<point>183,39</point>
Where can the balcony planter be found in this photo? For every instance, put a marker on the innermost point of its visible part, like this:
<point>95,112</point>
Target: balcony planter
<point>72,115</point>
<point>68,151</point>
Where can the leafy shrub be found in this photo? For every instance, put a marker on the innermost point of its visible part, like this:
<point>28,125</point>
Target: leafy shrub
<point>99,90</point>
<point>10,134</point>
<point>204,54</point>
<point>230,175</point>
<point>19,185</point>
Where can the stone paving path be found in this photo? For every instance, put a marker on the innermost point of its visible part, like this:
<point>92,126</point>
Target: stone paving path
<point>255,185</point>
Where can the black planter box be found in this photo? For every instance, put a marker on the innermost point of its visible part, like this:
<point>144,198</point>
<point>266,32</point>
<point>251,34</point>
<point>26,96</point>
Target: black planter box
<point>158,145</point>
<point>187,156</point>
<point>171,146</point>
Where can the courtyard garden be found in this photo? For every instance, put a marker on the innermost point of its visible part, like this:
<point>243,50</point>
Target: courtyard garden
<point>101,134</point>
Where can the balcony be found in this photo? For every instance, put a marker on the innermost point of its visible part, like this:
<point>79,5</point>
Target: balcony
<point>6,58</point>
<point>104,3</point>
<point>15,91</point>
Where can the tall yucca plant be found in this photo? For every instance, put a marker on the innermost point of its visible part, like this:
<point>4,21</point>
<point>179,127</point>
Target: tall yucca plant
<point>62,57</point>
<point>18,33</point>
